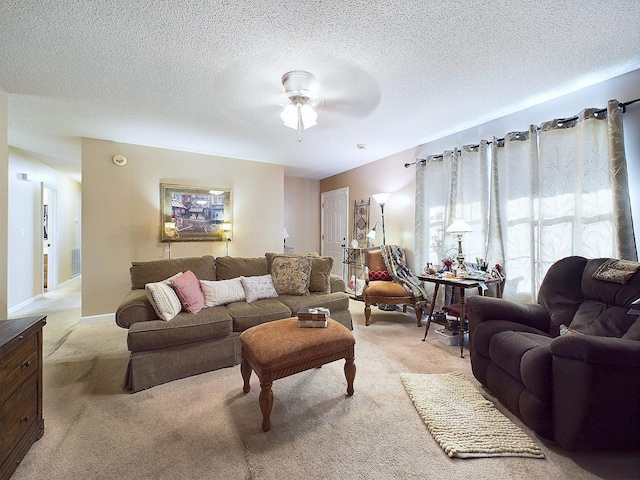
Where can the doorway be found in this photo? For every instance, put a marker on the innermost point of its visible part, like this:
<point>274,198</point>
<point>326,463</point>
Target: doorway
<point>48,229</point>
<point>334,226</point>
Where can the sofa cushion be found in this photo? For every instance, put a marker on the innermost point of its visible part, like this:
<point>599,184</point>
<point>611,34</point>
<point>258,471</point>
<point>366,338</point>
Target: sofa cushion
<point>335,302</point>
<point>290,275</point>
<point>222,292</point>
<point>187,286</point>
<point>246,315</point>
<point>157,270</point>
<point>256,288</point>
<point>234,267</point>
<point>164,299</point>
<point>321,274</point>
<point>207,324</point>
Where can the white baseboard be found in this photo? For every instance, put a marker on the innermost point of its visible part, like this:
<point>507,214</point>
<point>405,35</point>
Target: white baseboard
<point>26,303</point>
<point>99,318</point>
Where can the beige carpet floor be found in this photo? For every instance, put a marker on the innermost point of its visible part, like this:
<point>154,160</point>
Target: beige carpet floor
<point>204,427</point>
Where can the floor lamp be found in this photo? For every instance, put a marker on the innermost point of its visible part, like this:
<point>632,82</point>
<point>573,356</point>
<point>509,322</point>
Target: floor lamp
<point>381,198</point>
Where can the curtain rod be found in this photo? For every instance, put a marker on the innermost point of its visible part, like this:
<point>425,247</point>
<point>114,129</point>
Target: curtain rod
<point>575,117</point>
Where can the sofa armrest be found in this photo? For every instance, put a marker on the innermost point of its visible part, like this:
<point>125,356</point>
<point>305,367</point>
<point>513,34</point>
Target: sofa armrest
<point>598,350</point>
<point>489,308</point>
<point>337,283</point>
<point>135,308</point>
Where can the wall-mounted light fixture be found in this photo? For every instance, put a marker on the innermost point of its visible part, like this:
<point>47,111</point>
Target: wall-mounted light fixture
<point>171,231</point>
<point>226,229</point>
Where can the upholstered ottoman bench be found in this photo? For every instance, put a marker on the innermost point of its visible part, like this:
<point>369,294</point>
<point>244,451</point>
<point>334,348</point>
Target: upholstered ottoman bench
<point>280,348</point>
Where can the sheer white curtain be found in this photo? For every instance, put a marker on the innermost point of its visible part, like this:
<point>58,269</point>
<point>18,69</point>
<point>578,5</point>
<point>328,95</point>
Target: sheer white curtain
<point>453,185</point>
<point>532,198</point>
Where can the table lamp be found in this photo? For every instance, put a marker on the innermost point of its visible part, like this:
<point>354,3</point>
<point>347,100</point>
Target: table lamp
<point>458,227</point>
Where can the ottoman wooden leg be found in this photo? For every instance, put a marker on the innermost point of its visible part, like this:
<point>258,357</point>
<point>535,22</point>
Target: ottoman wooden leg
<point>266,403</point>
<point>245,369</point>
<point>350,374</point>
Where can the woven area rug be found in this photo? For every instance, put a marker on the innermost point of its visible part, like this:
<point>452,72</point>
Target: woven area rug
<point>463,422</point>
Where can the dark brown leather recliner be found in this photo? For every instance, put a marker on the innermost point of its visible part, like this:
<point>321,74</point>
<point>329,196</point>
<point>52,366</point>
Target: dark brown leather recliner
<point>582,388</point>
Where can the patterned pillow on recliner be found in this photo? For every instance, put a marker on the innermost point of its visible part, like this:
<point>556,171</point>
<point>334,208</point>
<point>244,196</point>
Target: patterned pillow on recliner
<point>379,275</point>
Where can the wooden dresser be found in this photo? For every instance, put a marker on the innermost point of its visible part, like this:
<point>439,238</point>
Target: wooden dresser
<point>21,421</point>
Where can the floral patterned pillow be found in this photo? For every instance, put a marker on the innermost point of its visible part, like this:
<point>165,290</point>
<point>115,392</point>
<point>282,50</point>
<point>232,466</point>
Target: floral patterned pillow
<point>291,275</point>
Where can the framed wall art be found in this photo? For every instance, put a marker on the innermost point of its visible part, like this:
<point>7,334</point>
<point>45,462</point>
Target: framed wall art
<point>191,213</point>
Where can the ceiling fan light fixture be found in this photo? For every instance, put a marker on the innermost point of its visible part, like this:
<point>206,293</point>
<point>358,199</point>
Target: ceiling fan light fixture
<point>300,113</point>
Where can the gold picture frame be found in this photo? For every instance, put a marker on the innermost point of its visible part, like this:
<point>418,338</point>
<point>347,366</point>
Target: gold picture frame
<point>190,214</point>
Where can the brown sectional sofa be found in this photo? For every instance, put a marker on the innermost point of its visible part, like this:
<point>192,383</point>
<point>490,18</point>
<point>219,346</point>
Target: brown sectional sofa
<point>190,344</point>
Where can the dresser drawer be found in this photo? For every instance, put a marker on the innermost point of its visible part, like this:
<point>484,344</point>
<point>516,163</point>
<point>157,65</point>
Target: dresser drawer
<point>18,413</point>
<point>18,364</point>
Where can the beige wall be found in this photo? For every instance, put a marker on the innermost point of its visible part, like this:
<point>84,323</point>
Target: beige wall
<point>4,204</point>
<point>302,214</point>
<point>25,227</point>
<point>121,212</point>
<point>385,175</point>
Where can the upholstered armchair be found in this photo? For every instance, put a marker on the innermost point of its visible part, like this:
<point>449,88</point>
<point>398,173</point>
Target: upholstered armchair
<point>568,366</point>
<point>385,287</point>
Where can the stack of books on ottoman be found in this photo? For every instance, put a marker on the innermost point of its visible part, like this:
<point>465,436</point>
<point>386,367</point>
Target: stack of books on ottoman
<point>313,317</point>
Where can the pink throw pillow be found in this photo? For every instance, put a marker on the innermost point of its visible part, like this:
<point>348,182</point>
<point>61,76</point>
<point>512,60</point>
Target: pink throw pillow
<point>189,292</point>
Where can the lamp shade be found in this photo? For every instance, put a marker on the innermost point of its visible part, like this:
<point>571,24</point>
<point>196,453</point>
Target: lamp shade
<point>381,198</point>
<point>290,116</point>
<point>459,226</point>
<point>372,234</point>
<point>285,234</point>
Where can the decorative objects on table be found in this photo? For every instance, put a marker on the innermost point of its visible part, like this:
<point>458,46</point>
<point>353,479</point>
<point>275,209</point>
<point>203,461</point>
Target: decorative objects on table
<point>316,317</point>
<point>462,421</point>
<point>381,198</point>
<point>197,212</point>
<point>459,227</point>
<point>302,101</point>
<point>461,284</point>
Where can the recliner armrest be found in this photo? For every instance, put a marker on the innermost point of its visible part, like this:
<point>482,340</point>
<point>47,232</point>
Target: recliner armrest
<point>490,308</point>
<point>597,350</point>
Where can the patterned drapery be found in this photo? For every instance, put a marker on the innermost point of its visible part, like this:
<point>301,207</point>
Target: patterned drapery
<point>531,198</point>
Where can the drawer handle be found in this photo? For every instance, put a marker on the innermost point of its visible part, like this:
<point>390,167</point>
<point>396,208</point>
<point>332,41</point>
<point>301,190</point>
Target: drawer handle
<point>25,419</point>
<point>27,364</point>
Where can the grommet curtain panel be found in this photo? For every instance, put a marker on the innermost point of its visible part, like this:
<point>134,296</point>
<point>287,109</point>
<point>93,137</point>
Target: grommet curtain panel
<point>531,198</point>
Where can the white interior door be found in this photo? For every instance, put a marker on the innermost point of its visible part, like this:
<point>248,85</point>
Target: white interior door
<point>334,228</point>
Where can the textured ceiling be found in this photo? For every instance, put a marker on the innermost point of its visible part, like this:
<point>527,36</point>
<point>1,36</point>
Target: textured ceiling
<point>204,76</point>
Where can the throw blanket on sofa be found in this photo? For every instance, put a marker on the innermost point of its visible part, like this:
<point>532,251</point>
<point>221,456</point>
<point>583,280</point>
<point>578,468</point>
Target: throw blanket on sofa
<point>396,263</point>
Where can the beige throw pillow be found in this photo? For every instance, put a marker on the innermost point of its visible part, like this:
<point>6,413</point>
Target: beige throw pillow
<point>222,292</point>
<point>258,287</point>
<point>291,275</point>
<point>163,298</point>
